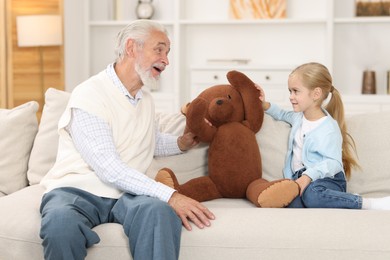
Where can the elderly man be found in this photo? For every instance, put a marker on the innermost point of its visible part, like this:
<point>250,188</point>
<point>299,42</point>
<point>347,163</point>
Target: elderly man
<point>107,141</point>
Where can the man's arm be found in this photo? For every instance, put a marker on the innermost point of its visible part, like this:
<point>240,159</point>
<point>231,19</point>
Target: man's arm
<point>167,144</point>
<point>93,139</point>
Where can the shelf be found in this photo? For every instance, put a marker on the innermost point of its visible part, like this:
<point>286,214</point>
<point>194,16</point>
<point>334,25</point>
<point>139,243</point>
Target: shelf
<point>354,20</point>
<point>252,22</point>
<point>122,23</point>
<point>217,22</point>
<point>367,98</point>
<point>241,67</point>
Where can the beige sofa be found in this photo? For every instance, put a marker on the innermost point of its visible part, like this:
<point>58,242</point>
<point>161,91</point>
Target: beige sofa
<point>240,231</point>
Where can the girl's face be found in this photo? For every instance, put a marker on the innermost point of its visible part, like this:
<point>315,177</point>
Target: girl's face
<point>302,99</point>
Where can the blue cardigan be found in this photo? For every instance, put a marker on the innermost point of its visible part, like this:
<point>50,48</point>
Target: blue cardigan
<point>322,147</point>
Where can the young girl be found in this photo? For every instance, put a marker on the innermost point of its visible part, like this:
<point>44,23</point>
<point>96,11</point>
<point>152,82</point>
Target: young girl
<point>320,151</point>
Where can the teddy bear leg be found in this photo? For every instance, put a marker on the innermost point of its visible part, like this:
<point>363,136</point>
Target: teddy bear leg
<point>200,189</point>
<point>275,194</point>
<point>167,177</point>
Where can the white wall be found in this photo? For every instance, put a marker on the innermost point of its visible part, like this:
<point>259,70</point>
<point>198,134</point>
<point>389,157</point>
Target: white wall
<point>74,45</point>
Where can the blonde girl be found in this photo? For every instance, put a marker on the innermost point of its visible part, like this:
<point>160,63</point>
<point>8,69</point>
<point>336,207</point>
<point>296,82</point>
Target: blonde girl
<point>320,153</point>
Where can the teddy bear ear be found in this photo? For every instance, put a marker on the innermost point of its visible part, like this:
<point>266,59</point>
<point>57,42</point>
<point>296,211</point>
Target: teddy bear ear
<point>239,79</point>
<point>184,108</point>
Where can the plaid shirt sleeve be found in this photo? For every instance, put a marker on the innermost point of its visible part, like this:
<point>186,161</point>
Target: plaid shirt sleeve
<point>93,139</point>
<point>166,144</point>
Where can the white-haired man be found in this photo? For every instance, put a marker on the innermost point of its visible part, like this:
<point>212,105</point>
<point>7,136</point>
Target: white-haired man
<point>107,141</point>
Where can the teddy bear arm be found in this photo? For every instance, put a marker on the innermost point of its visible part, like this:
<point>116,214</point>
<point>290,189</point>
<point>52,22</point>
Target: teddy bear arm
<point>254,112</point>
<point>254,121</point>
<point>254,116</point>
<point>196,123</point>
<point>253,108</point>
<point>203,131</point>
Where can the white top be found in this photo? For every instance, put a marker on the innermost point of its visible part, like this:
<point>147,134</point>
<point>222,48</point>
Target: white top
<point>299,138</point>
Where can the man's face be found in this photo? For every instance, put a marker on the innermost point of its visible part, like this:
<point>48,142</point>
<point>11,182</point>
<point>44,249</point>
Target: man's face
<point>152,58</point>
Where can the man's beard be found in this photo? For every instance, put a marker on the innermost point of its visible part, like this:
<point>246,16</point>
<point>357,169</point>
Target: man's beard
<point>146,77</point>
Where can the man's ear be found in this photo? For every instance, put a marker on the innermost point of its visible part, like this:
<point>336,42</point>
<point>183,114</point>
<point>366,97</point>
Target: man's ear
<point>130,48</point>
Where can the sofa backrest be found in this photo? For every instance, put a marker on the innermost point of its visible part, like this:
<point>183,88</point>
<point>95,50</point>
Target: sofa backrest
<point>370,132</point>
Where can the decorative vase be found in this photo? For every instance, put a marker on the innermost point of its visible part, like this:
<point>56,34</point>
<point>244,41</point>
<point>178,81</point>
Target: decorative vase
<point>388,81</point>
<point>369,82</point>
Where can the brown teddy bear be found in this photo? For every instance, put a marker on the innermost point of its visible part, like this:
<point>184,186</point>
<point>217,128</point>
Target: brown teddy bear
<point>228,117</point>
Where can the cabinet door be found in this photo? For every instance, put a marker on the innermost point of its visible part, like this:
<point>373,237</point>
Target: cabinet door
<point>274,82</point>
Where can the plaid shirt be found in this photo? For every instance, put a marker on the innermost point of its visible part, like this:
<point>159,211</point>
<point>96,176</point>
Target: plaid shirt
<point>93,138</point>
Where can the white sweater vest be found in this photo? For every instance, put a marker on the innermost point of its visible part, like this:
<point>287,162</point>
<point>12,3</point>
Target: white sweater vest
<point>132,128</point>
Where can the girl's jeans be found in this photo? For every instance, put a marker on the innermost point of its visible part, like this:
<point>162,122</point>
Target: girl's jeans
<point>326,193</point>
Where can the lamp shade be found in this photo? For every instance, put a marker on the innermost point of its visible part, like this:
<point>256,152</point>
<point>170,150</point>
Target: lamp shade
<point>39,30</point>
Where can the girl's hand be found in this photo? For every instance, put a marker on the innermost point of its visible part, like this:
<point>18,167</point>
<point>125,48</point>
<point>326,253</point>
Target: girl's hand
<point>303,182</point>
<point>262,93</point>
<point>265,104</point>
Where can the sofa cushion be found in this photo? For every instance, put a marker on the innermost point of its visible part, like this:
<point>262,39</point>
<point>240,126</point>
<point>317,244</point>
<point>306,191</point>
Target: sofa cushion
<point>272,139</point>
<point>18,127</point>
<point>20,223</point>
<point>44,151</point>
<point>371,133</point>
<point>240,231</point>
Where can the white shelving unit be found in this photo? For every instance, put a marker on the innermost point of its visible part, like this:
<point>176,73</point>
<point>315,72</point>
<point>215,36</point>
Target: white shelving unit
<point>325,31</point>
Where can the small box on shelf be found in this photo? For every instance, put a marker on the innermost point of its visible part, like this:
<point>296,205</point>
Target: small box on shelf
<point>372,7</point>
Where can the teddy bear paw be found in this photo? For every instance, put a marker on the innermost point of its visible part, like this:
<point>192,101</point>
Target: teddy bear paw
<point>167,177</point>
<point>279,195</point>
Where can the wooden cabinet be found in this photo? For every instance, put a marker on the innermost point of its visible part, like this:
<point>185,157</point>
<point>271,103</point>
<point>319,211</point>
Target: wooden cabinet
<point>325,31</point>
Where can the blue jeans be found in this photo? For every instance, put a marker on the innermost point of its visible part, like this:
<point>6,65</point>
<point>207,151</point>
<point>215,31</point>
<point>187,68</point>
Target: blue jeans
<point>69,214</point>
<point>326,193</point>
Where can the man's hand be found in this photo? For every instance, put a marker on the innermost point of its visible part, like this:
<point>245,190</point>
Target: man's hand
<point>186,141</point>
<point>190,209</point>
